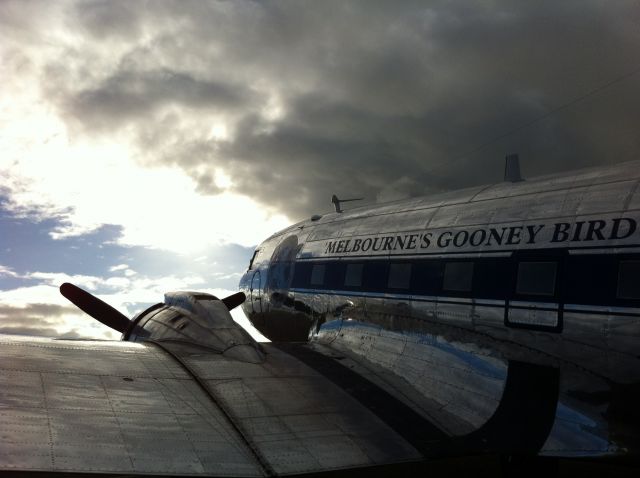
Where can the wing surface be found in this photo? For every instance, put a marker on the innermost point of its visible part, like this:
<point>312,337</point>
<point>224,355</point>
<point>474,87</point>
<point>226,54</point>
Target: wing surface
<point>171,408</point>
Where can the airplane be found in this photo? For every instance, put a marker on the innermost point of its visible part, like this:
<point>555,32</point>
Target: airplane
<point>494,326</point>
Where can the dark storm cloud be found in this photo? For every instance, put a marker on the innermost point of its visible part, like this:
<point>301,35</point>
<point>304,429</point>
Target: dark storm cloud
<point>381,99</point>
<point>132,95</point>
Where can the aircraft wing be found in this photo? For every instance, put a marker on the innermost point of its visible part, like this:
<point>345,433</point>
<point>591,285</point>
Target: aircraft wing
<point>175,408</point>
<point>188,392</point>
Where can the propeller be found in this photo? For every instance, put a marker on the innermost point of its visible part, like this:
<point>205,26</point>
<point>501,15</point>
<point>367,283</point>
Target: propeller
<point>96,308</point>
<point>234,300</point>
<point>103,312</point>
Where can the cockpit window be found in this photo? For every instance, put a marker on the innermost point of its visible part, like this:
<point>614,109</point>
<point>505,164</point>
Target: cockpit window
<point>253,258</point>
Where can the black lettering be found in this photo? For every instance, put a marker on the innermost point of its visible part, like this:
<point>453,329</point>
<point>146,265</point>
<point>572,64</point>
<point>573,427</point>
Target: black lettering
<point>376,243</point>
<point>477,237</point>
<point>577,231</point>
<point>461,238</point>
<point>595,229</point>
<point>560,231</point>
<point>425,240</point>
<point>386,245</point>
<point>615,232</point>
<point>356,245</point>
<point>442,238</point>
<point>331,247</point>
<point>340,247</point>
<point>411,243</point>
<point>366,244</point>
<point>399,243</point>
<point>346,246</point>
<point>514,235</point>
<point>493,234</point>
<point>533,232</point>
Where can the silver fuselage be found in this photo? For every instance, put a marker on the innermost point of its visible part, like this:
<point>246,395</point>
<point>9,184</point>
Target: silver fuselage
<point>444,294</point>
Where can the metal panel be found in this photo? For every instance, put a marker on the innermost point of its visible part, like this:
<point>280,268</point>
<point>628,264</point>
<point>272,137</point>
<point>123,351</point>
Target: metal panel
<point>535,314</point>
<point>279,416</point>
<point>604,198</point>
<point>398,222</point>
<point>297,420</point>
<point>78,406</point>
<point>464,214</point>
<point>456,388</point>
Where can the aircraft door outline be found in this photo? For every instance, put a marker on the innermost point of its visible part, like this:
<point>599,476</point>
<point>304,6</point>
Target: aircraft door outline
<point>539,311</point>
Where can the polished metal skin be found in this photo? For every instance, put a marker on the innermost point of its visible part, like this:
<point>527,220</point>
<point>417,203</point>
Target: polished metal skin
<point>76,406</point>
<point>449,355</point>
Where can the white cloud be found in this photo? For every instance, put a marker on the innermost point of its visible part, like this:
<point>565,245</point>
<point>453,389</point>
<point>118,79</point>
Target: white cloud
<point>122,293</point>
<point>124,269</point>
<point>70,321</point>
<point>117,282</point>
<point>58,278</point>
<point>37,294</point>
<point>7,271</point>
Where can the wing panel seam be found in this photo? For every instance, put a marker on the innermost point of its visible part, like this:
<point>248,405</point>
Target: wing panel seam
<point>262,462</point>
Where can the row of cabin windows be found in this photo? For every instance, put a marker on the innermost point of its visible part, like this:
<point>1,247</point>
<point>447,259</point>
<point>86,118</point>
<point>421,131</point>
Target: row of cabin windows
<point>534,278</point>
<point>588,279</point>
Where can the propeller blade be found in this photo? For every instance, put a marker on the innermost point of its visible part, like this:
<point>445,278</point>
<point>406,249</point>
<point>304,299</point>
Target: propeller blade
<point>99,310</point>
<point>234,300</point>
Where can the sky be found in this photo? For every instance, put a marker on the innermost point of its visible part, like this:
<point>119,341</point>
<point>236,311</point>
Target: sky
<point>148,146</point>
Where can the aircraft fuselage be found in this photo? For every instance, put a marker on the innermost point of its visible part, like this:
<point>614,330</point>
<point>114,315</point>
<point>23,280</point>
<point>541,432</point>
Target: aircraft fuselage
<point>451,289</point>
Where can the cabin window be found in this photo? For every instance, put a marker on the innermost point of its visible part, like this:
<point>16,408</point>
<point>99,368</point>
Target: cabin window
<point>399,276</point>
<point>427,276</point>
<point>317,274</point>
<point>253,258</point>
<point>536,278</point>
<point>353,276</point>
<point>374,277</point>
<point>334,275</point>
<point>591,279</point>
<point>458,276</point>
<point>492,277</point>
<point>629,280</point>
<point>302,274</point>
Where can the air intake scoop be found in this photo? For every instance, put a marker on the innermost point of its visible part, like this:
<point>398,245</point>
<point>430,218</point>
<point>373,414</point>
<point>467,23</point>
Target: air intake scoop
<point>512,169</point>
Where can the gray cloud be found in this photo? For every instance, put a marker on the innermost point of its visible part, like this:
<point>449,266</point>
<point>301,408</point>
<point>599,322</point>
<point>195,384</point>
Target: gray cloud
<point>37,319</point>
<point>367,98</point>
<point>136,96</point>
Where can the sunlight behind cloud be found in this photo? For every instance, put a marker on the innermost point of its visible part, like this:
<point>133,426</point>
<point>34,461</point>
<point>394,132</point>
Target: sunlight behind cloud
<point>219,132</point>
<point>88,183</point>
